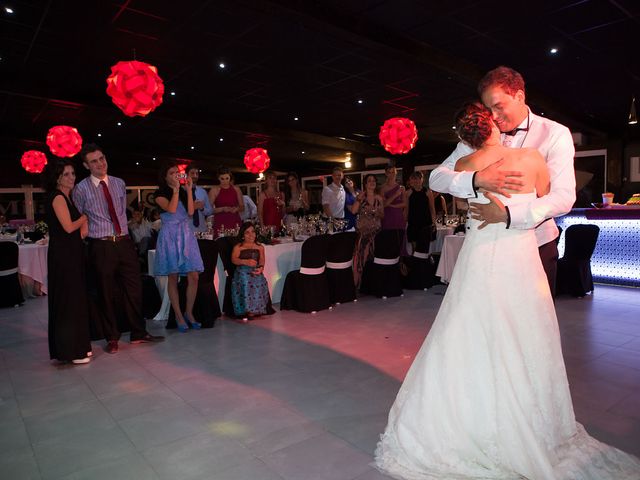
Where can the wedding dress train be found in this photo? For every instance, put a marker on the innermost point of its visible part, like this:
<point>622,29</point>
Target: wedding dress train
<point>487,395</point>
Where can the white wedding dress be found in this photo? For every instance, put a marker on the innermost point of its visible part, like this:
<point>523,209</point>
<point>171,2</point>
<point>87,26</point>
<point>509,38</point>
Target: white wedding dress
<point>487,395</point>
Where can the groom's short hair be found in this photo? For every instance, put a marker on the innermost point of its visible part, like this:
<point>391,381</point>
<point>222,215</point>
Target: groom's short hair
<point>504,77</point>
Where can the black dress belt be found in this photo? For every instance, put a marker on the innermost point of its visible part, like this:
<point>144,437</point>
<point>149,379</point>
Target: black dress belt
<point>112,238</point>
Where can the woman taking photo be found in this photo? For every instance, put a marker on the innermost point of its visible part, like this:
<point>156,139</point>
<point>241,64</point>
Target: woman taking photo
<point>296,199</point>
<point>177,251</point>
<point>249,290</point>
<point>370,211</point>
<point>68,306</point>
<point>227,202</point>
<point>271,203</point>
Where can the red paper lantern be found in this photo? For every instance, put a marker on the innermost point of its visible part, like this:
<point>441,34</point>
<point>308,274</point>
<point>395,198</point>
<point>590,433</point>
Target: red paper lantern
<point>64,141</point>
<point>135,87</point>
<point>257,160</point>
<point>33,161</point>
<point>398,135</point>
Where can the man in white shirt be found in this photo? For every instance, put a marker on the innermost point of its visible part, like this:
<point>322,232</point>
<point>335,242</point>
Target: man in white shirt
<point>333,196</point>
<point>502,91</point>
<point>201,204</point>
<point>250,209</point>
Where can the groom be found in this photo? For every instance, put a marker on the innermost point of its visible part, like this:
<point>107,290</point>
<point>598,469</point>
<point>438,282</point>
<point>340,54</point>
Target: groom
<point>502,91</point>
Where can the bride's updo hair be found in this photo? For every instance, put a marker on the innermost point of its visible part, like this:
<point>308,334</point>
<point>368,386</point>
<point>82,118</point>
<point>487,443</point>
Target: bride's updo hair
<point>473,124</point>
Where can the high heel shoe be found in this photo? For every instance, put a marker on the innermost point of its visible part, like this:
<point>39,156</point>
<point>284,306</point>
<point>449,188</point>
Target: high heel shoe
<point>193,324</point>
<point>184,328</point>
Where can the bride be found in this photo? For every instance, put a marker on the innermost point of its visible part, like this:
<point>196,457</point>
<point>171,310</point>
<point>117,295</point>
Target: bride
<point>487,395</point>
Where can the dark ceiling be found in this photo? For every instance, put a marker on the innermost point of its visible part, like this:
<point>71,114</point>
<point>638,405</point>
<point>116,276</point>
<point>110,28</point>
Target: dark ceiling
<point>307,59</point>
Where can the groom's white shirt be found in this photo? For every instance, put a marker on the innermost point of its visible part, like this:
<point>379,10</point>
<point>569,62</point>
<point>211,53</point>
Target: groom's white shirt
<point>555,143</point>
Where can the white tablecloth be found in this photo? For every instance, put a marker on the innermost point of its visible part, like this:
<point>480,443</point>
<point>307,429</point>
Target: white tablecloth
<point>450,250</point>
<point>436,245</point>
<point>279,260</point>
<point>32,263</point>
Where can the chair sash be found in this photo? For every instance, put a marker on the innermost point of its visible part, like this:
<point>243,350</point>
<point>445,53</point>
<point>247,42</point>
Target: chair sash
<point>6,273</point>
<point>421,255</point>
<point>311,271</point>
<point>339,265</point>
<point>386,261</point>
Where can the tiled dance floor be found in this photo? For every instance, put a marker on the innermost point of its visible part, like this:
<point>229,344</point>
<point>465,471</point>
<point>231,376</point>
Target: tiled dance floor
<point>291,396</point>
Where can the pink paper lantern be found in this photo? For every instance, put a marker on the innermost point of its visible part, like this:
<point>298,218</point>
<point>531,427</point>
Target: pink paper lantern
<point>33,161</point>
<point>257,160</point>
<point>398,135</point>
<point>64,141</point>
<point>135,87</point>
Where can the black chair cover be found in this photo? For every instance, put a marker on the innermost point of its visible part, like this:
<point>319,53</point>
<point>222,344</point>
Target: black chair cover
<point>151,300</point>
<point>225,247</point>
<point>340,250</point>
<point>10,291</point>
<point>384,280</point>
<point>420,266</point>
<point>207,307</point>
<point>574,268</point>
<point>303,292</point>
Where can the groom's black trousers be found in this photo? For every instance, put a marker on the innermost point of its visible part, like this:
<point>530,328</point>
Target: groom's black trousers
<point>549,256</point>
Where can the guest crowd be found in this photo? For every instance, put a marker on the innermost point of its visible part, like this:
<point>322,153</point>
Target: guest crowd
<point>98,242</point>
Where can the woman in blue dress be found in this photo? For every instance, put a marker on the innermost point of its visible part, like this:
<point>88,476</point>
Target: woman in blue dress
<point>350,194</point>
<point>177,251</point>
<point>249,289</point>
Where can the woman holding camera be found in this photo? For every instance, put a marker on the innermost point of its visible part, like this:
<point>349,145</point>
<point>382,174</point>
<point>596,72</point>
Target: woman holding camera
<point>177,251</point>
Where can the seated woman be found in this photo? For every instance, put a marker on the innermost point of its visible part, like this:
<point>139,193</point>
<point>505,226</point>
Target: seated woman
<point>177,251</point>
<point>249,289</point>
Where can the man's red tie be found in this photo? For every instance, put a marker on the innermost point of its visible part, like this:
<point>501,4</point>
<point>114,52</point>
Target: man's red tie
<point>112,210</point>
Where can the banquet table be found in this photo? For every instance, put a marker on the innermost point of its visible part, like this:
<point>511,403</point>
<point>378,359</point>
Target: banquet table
<point>450,250</point>
<point>280,259</point>
<point>441,233</point>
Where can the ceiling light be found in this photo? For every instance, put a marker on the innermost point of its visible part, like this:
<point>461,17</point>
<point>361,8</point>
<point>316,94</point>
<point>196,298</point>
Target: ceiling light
<point>347,164</point>
<point>221,139</point>
<point>154,159</point>
<point>296,118</point>
<point>633,118</point>
<point>192,147</point>
<point>137,163</point>
<point>8,10</point>
<point>542,114</point>
<point>553,51</point>
<point>302,152</point>
<point>119,124</point>
<point>99,134</point>
<point>200,171</point>
<point>222,66</point>
<point>453,128</point>
<point>360,101</point>
<point>173,94</point>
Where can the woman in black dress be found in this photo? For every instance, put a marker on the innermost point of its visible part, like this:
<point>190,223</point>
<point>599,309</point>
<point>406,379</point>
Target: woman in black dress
<point>68,308</point>
<point>421,211</point>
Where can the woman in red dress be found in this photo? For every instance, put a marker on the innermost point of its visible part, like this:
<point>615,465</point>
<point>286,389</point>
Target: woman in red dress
<point>226,199</point>
<point>271,203</point>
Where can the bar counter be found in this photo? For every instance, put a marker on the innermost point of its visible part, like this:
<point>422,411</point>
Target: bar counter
<point>616,259</point>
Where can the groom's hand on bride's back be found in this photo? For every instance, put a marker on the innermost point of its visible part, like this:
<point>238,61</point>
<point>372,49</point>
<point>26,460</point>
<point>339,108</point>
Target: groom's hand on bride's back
<point>492,179</point>
<point>487,213</point>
